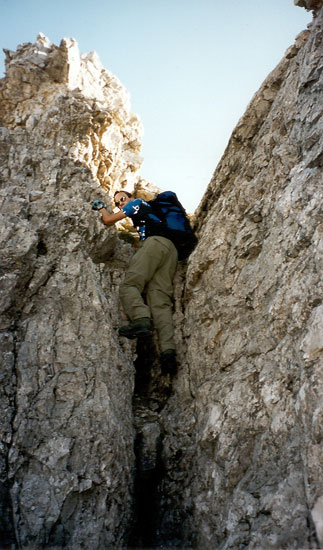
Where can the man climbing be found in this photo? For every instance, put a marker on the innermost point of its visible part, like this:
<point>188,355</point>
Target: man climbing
<point>150,272</point>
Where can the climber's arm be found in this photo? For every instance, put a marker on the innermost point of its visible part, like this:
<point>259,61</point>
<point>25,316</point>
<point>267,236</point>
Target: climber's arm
<point>107,217</point>
<point>110,219</point>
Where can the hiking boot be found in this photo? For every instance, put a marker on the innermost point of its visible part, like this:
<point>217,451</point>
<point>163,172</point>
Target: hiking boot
<point>168,362</point>
<point>136,329</point>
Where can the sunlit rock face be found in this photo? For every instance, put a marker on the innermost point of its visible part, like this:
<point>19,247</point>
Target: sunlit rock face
<point>67,383</point>
<point>244,437</point>
<point>233,458</point>
<point>46,84</point>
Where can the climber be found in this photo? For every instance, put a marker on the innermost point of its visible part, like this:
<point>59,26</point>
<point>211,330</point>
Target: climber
<point>151,272</point>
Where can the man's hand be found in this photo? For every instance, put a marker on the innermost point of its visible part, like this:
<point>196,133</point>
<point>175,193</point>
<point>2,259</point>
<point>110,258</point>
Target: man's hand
<point>107,218</point>
<point>97,205</point>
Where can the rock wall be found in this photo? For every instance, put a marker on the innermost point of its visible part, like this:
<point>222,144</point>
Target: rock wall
<point>97,449</point>
<point>308,4</point>
<point>66,382</point>
<point>244,440</point>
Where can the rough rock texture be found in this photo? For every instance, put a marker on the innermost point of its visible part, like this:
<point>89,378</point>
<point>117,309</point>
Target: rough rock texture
<point>66,382</point>
<point>94,452</point>
<point>100,129</point>
<point>244,442</point>
<point>309,4</point>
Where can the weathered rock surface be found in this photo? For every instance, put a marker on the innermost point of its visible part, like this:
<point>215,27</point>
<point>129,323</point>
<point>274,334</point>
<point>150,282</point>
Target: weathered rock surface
<point>309,4</point>
<point>244,442</point>
<point>66,407</point>
<point>94,452</point>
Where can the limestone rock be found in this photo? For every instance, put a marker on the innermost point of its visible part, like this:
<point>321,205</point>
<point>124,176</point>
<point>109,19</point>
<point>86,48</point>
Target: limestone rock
<point>309,4</point>
<point>243,444</point>
<point>45,84</point>
<point>67,383</point>
<point>94,440</point>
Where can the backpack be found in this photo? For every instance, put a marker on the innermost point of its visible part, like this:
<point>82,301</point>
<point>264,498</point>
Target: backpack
<point>176,225</point>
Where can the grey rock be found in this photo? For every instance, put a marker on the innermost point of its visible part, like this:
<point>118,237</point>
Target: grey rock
<point>98,449</point>
<point>66,424</point>
<point>244,450</point>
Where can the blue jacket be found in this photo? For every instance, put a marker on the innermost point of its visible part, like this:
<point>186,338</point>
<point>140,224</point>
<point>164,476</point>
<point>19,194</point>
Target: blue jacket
<point>141,214</point>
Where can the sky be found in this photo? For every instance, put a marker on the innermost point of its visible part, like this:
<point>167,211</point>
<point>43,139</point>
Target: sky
<point>191,67</point>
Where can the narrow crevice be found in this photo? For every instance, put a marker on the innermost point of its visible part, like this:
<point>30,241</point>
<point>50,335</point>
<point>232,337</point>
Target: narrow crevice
<point>7,530</point>
<point>151,393</point>
<point>8,380</point>
<point>41,248</point>
<point>149,474</point>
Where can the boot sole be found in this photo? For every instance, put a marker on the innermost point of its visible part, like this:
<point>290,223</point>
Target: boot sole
<point>137,334</point>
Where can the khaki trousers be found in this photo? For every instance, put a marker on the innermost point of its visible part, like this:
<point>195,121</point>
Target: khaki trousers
<point>151,271</point>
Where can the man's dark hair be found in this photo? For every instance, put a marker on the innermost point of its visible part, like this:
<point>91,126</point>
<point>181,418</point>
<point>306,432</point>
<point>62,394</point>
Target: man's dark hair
<point>125,192</point>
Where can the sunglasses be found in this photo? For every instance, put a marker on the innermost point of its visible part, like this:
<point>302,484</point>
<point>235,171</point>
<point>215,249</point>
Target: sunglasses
<point>122,199</point>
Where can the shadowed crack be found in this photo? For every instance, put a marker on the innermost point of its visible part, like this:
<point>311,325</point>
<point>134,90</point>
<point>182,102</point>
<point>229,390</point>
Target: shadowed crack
<point>150,396</point>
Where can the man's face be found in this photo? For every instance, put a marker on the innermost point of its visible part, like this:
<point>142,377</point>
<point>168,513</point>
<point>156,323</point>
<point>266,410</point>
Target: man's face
<point>121,199</point>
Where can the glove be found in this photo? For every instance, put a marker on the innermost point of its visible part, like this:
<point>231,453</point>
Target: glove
<point>97,205</point>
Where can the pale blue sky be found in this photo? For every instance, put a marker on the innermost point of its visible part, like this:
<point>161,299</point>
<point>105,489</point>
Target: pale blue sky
<point>191,67</point>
